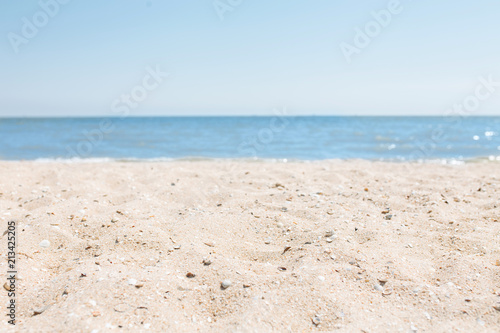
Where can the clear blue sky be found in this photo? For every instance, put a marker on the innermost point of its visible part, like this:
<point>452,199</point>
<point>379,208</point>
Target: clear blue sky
<point>263,55</point>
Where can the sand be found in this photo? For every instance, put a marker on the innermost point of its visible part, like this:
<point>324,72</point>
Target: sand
<point>124,236</point>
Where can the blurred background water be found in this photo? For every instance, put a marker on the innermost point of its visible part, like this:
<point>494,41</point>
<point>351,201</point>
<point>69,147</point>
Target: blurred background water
<point>302,138</point>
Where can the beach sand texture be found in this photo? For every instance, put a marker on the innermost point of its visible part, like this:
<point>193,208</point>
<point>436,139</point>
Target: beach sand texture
<point>347,246</point>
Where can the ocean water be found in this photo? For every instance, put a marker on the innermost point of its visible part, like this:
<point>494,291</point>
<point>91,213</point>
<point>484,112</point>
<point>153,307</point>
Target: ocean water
<point>291,138</point>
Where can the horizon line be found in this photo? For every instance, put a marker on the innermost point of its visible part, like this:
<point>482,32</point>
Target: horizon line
<point>243,116</point>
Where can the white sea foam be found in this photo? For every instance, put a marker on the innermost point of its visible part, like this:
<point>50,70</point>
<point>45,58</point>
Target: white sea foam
<point>447,161</point>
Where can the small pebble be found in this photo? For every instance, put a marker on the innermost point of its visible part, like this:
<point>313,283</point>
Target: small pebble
<point>45,244</point>
<point>207,262</point>
<point>378,287</point>
<point>225,284</point>
<point>39,311</point>
<point>132,282</point>
<point>190,275</point>
<point>316,320</point>
<point>121,307</point>
<point>211,244</point>
<point>267,241</point>
<point>280,225</point>
<point>382,281</point>
<point>329,233</point>
<point>177,247</point>
<point>387,292</point>
<point>388,217</point>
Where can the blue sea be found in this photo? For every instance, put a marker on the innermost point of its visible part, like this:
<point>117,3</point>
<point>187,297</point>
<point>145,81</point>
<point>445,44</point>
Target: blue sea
<point>278,137</point>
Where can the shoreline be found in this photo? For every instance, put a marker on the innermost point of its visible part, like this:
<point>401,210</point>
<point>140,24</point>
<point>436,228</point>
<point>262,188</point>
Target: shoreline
<point>444,161</point>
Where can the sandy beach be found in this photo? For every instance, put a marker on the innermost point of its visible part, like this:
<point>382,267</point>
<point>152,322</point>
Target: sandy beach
<point>347,246</point>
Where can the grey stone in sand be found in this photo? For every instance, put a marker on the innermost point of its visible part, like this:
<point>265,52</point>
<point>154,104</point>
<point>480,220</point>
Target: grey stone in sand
<point>225,284</point>
<point>45,244</point>
<point>316,320</point>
